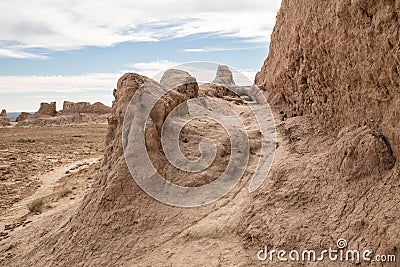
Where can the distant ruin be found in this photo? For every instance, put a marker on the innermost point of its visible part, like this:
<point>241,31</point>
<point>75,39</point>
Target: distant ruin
<point>48,109</point>
<point>84,107</point>
<point>72,113</point>
<point>4,120</point>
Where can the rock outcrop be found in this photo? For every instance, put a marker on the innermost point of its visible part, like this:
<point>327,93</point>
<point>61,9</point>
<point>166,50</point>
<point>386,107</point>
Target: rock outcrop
<point>84,107</point>
<point>81,118</point>
<point>333,73</point>
<point>223,86</point>
<point>23,116</point>
<point>72,113</point>
<point>323,188</point>
<point>214,90</point>
<point>340,62</point>
<point>4,120</point>
<point>116,213</point>
<point>219,87</point>
<point>46,109</point>
<point>181,81</point>
<point>224,76</point>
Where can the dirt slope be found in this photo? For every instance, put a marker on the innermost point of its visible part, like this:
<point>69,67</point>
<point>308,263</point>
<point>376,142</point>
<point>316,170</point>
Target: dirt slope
<point>324,188</point>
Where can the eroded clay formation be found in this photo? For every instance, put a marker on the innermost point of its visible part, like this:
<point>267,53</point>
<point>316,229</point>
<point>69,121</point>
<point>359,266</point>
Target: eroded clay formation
<point>340,62</point>
<point>72,113</point>
<point>4,120</point>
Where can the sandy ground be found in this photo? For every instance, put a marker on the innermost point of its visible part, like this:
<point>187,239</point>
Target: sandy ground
<point>28,153</point>
<point>55,165</point>
<point>50,183</point>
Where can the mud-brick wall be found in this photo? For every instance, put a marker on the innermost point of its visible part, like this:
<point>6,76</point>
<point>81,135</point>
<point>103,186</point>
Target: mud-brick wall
<point>338,60</point>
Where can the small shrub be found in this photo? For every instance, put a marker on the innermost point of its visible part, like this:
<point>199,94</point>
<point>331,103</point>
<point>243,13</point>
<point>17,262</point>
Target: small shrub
<point>24,140</point>
<point>36,206</point>
<point>65,192</point>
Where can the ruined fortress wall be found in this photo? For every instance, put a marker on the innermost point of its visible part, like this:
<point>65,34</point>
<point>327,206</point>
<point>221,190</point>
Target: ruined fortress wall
<point>340,61</point>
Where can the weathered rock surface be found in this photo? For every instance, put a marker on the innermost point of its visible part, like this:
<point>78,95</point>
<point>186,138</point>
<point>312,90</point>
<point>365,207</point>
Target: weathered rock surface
<point>80,118</point>
<point>214,90</point>
<point>323,188</point>
<point>72,113</point>
<point>84,107</point>
<point>23,116</point>
<point>182,87</point>
<point>46,109</point>
<point>4,120</point>
<point>224,76</point>
<point>181,81</point>
<point>333,70</point>
<point>219,87</point>
<point>223,86</point>
<point>340,61</point>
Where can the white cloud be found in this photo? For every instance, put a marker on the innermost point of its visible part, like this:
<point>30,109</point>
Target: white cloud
<point>71,24</point>
<point>59,83</point>
<point>244,77</point>
<point>15,53</point>
<point>151,69</point>
<point>219,49</point>
<point>196,50</point>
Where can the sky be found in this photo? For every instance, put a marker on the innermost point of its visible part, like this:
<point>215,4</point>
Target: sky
<point>56,50</point>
